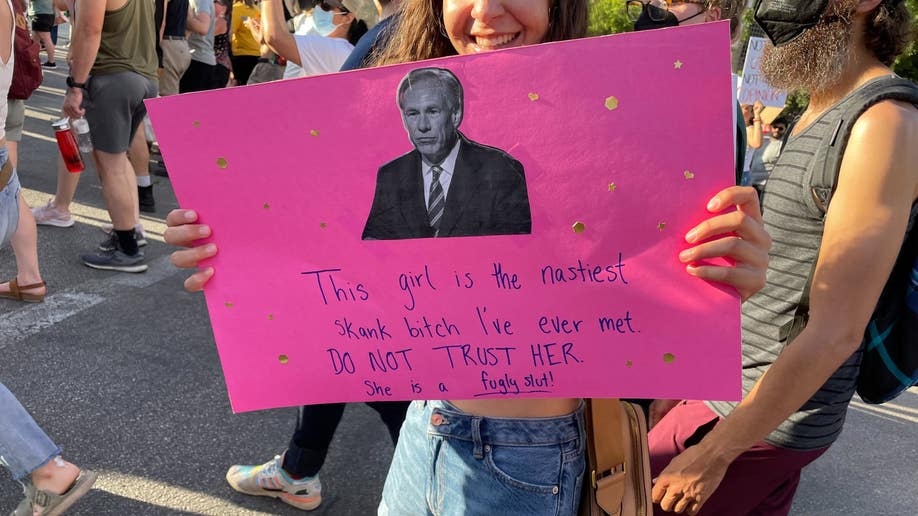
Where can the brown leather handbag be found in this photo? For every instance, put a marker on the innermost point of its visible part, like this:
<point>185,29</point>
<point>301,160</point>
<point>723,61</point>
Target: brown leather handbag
<point>617,480</point>
<point>27,75</point>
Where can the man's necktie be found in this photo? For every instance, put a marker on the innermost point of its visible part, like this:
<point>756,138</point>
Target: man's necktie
<point>437,200</point>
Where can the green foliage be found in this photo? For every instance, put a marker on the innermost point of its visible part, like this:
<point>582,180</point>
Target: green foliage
<point>907,64</point>
<point>608,17</point>
<point>796,103</point>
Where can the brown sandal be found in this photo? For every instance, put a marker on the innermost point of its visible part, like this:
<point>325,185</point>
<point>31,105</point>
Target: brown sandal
<point>16,292</point>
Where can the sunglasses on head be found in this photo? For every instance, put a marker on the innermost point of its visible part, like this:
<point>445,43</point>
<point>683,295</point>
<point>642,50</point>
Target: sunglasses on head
<point>325,6</point>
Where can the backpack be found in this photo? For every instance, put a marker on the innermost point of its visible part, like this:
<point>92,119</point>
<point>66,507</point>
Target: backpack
<point>890,346</point>
<point>27,75</point>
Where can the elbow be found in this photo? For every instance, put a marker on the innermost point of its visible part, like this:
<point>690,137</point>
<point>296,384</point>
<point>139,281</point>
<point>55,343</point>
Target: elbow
<point>271,37</point>
<point>840,341</point>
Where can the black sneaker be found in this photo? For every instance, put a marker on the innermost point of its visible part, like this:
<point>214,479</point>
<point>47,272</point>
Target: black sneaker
<point>111,242</point>
<point>115,260</point>
<point>145,198</point>
<point>49,64</point>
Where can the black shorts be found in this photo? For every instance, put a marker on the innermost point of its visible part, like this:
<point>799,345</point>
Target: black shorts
<point>42,22</point>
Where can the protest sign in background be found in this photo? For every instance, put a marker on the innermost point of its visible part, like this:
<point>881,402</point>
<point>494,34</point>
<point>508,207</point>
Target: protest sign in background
<point>623,139</point>
<point>753,86</point>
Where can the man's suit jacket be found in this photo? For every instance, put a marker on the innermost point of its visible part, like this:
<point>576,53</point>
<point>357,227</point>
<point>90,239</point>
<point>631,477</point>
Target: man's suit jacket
<point>487,196</point>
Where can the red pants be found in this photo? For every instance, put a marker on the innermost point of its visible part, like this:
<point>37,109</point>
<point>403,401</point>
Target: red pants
<point>762,481</point>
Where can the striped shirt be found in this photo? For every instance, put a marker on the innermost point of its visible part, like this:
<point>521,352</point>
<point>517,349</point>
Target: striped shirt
<point>795,224</point>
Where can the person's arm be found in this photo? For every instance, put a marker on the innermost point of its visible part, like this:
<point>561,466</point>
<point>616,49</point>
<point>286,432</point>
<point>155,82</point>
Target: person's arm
<point>754,131</point>
<point>83,49</point>
<point>274,31</point>
<point>162,26</point>
<point>863,234</point>
<point>220,25</point>
<point>198,22</point>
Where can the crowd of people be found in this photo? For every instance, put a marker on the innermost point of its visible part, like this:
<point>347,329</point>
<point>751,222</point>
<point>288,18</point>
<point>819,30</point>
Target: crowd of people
<point>510,456</point>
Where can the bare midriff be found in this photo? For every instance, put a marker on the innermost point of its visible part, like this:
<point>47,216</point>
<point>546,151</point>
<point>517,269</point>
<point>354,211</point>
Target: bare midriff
<point>553,407</point>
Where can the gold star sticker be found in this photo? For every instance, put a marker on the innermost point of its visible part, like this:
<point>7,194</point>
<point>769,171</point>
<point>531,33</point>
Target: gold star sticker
<point>222,163</point>
<point>270,317</point>
<point>661,226</point>
<point>533,97</point>
<point>266,206</point>
<point>612,187</point>
<point>283,359</point>
<point>578,227</point>
<point>689,175</point>
<point>313,133</point>
<point>228,305</point>
<point>196,123</point>
<point>323,225</point>
<point>669,358</point>
<point>611,103</point>
<point>629,363</point>
<point>677,65</point>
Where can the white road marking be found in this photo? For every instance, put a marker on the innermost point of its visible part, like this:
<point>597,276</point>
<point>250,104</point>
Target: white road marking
<point>161,494</point>
<point>59,306</point>
<point>900,413</point>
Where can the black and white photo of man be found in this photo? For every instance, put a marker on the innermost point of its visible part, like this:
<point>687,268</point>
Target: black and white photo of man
<point>448,185</point>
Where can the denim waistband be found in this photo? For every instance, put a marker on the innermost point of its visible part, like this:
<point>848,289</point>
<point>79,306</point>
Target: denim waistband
<point>448,421</point>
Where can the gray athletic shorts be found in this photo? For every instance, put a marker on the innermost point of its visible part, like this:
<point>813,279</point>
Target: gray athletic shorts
<point>9,202</point>
<point>114,108</point>
<point>15,116</point>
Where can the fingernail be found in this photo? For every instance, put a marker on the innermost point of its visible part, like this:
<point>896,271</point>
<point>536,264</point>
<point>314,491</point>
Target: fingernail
<point>204,231</point>
<point>210,249</point>
<point>190,215</point>
<point>714,204</point>
<point>691,235</point>
<point>209,271</point>
<point>691,270</point>
<point>685,256</point>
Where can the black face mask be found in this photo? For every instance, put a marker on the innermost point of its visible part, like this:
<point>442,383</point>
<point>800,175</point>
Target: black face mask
<point>785,20</point>
<point>650,15</point>
<point>655,18</point>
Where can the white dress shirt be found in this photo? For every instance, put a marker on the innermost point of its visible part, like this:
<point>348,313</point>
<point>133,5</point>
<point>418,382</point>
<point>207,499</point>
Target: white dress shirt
<point>446,177</point>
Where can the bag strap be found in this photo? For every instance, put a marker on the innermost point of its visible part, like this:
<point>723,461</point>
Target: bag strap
<point>607,449</point>
<point>832,150</point>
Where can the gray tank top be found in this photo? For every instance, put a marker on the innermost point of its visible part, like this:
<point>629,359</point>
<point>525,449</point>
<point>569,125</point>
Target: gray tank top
<point>795,224</point>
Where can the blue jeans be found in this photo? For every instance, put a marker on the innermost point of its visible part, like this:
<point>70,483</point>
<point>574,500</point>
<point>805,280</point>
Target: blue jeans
<point>450,463</point>
<point>24,447</point>
<point>9,202</point>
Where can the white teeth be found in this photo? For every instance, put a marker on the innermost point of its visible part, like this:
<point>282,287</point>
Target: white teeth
<point>494,41</point>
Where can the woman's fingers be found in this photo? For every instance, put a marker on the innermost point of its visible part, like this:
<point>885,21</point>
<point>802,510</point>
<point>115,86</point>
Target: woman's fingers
<point>744,198</point>
<point>196,281</point>
<point>746,280</point>
<point>735,248</point>
<point>737,222</point>
<point>181,231</point>
<point>190,258</point>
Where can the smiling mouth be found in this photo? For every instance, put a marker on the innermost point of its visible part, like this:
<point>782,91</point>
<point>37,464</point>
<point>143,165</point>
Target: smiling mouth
<point>496,41</point>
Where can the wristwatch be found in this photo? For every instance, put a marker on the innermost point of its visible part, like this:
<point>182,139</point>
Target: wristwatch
<point>73,84</point>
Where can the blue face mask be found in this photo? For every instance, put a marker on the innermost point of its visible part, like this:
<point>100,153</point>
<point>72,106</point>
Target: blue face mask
<point>324,21</point>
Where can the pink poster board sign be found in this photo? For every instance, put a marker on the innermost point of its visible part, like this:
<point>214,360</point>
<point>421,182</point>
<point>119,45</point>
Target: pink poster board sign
<point>620,140</point>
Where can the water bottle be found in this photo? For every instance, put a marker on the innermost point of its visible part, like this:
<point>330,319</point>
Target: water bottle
<point>81,128</point>
<point>67,144</point>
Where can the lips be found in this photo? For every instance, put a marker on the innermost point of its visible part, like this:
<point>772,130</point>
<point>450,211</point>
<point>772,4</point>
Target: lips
<point>496,41</point>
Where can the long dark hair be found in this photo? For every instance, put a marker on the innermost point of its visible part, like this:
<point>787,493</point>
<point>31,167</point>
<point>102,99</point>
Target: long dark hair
<point>420,34</point>
<point>356,31</point>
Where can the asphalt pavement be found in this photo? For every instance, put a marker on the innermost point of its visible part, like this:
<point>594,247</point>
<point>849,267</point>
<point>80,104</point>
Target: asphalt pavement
<point>121,370</point>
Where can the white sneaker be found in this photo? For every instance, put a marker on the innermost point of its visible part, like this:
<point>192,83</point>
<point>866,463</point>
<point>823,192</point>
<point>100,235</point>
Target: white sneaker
<point>48,215</point>
<point>270,479</point>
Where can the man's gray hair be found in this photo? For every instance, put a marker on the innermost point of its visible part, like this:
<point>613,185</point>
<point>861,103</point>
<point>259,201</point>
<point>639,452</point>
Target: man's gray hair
<point>444,77</point>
